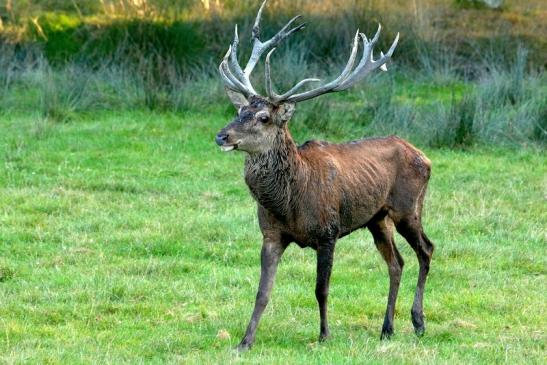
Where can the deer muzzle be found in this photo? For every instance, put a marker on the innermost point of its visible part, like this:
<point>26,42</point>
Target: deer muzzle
<point>222,139</point>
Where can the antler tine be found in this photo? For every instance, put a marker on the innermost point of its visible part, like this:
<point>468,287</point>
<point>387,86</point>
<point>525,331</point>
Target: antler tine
<point>272,95</point>
<point>236,67</point>
<point>295,88</point>
<point>256,26</point>
<point>366,57</point>
<point>367,64</point>
<point>225,78</point>
<point>283,33</point>
<point>233,55</point>
<point>260,47</point>
<point>229,84</point>
<point>269,87</point>
<point>233,81</point>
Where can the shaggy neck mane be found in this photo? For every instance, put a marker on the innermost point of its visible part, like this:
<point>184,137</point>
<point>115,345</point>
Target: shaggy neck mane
<point>272,175</point>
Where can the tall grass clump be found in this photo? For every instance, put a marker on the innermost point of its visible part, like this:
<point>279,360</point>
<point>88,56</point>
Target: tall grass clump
<point>511,103</point>
<point>16,65</point>
<point>62,93</point>
<point>7,67</point>
<point>451,125</point>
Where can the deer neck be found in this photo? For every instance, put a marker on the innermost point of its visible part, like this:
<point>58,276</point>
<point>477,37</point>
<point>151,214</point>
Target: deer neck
<point>273,176</point>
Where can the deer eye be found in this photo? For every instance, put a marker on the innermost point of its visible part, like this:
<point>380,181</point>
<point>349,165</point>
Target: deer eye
<point>263,117</point>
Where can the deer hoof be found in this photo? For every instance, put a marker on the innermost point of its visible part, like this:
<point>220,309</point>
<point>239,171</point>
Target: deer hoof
<point>243,346</point>
<point>386,333</point>
<point>418,323</point>
<point>419,331</point>
<point>324,337</point>
<point>387,330</point>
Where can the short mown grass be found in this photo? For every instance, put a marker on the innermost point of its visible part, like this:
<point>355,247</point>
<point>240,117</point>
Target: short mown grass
<point>127,237</point>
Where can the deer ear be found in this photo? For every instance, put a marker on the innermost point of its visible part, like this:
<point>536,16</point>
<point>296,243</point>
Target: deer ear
<point>286,110</point>
<point>239,100</point>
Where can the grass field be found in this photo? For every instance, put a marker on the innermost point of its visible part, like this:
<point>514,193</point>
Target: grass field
<point>129,238</point>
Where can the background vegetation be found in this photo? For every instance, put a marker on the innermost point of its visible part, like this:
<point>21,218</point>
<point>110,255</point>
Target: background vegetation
<point>126,237</point>
<point>461,75</point>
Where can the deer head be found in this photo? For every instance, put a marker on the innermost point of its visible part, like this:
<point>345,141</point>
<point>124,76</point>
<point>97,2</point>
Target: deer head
<point>262,118</point>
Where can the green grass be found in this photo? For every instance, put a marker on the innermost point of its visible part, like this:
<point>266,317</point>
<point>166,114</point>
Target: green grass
<point>129,238</point>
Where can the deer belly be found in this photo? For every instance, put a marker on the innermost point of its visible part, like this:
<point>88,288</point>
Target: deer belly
<point>303,244</point>
<point>356,211</point>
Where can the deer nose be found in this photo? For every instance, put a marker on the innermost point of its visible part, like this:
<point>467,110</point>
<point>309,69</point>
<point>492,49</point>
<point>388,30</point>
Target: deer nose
<point>221,138</point>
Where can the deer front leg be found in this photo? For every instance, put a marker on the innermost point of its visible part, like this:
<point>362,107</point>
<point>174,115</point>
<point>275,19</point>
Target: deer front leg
<point>325,255</point>
<point>272,250</point>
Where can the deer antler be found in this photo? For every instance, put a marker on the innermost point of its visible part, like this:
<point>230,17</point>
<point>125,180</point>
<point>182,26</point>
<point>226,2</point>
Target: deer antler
<point>239,79</point>
<point>347,78</point>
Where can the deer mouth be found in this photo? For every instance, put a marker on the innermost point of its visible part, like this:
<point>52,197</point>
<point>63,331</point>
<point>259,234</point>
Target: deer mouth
<point>228,147</point>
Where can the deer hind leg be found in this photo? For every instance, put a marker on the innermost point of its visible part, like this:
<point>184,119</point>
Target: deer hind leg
<point>382,232</point>
<point>410,228</point>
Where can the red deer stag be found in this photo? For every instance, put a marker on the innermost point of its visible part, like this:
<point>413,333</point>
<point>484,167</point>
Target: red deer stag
<point>316,193</point>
